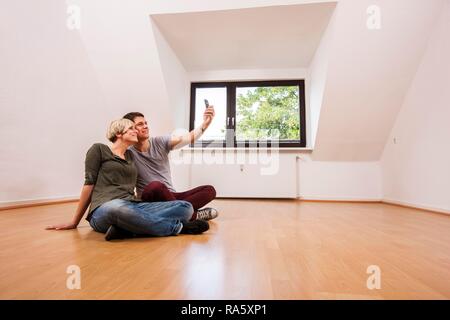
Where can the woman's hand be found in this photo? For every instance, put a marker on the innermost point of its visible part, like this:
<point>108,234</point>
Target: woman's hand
<point>62,226</point>
<point>83,204</point>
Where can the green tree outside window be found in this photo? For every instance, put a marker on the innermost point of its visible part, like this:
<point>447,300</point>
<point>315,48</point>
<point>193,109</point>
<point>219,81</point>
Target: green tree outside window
<point>268,113</point>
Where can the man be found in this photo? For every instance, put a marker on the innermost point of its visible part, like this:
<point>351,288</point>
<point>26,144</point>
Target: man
<point>151,157</point>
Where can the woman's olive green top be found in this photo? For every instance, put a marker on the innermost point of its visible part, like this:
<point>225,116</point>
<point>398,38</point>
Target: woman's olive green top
<point>112,176</point>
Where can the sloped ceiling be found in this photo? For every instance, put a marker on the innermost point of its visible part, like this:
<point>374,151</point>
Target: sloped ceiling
<point>267,37</point>
<point>369,73</point>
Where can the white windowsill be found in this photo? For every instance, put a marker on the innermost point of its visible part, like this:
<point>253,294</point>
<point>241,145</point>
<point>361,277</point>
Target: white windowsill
<point>189,149</point>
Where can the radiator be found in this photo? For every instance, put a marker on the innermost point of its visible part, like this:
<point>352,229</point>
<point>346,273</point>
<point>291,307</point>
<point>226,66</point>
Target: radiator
<point>240,176</point>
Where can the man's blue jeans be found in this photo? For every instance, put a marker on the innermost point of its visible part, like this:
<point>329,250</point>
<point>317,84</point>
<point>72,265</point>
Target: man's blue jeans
<point>142,218</point>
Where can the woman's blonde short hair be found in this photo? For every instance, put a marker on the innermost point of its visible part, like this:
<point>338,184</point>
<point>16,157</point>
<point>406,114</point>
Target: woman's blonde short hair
<point>118,127</point>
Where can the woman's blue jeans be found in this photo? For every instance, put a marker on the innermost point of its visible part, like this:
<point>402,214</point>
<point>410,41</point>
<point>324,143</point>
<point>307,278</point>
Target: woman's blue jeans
<point>142,218</point>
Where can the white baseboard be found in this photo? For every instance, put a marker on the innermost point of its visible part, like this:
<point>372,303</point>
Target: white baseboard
<point>37,201</point>
<point>44,201</point>
<point>338,199</point>
<point>416,206</point>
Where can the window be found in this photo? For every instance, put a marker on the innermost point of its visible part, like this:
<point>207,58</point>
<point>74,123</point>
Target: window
<point>251,114</point>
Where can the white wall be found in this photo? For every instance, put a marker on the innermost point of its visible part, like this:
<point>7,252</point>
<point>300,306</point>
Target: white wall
<point>337,180</point>
<point>416,165</point>
<point>369,72</point>
<point>121,45</point>
<point>52,107</point>
<point>60,88</point>
<point>326,180</point>
<point>317,179</point>
<point>318,72</point>
<point>178,91</point>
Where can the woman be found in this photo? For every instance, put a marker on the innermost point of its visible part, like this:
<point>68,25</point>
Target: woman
<point>110,179</point>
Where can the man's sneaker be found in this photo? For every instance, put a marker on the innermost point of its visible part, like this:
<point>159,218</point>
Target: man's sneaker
<point>114,232</point>
<point>206,214</point>
<point>194,227</point>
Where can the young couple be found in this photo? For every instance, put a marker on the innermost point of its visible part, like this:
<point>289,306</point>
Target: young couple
<point>128,185</point>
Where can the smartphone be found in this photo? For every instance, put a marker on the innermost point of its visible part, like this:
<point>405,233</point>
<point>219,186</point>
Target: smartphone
<point>206,103</point>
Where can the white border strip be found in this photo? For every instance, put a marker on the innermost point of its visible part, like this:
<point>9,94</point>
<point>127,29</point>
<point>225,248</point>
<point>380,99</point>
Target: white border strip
<point>337,199</point>
<point>36,201</point>
<point>46,201</point>
<point>416,206</point>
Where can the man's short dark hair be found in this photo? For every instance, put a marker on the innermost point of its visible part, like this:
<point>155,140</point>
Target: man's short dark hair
<point>132,115</point>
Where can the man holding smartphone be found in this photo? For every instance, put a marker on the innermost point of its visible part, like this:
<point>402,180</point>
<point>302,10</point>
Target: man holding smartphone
<point>151,158</point>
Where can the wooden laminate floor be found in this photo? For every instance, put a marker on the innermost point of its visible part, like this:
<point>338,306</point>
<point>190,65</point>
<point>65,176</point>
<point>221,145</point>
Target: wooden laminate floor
<point>256,249</point>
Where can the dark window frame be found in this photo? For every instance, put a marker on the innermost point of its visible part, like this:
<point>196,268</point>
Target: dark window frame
<point>231,113</point>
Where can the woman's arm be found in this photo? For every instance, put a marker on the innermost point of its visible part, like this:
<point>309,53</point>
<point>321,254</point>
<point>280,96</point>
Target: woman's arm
<point>83,204</point>
<point>93,162</point>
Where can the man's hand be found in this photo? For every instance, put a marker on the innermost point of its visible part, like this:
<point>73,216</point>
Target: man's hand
<point>62,226</point>
<point>181,141</point>
<point>208,116</point>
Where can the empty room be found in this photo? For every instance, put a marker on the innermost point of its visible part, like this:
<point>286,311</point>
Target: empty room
<point>225,150</point>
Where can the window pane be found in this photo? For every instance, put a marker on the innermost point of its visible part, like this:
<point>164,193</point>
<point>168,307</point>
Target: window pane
<point>267,113</point>
<point>218,98</point>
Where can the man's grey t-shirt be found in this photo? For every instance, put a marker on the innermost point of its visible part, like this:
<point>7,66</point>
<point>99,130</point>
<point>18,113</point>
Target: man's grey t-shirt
<point>153,165</point>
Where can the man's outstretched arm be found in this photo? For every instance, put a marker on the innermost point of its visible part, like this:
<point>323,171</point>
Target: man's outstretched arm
<point>178,142</point>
